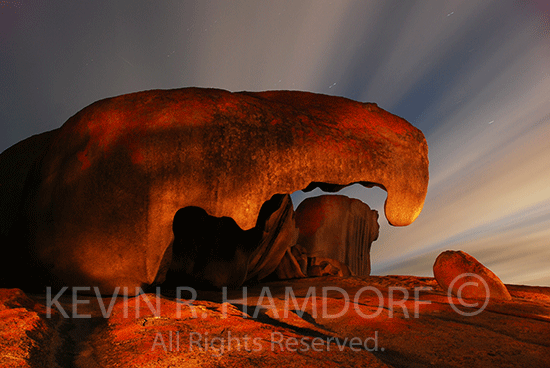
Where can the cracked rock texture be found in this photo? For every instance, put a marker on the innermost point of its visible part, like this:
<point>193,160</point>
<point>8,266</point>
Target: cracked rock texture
<point>324,322</point>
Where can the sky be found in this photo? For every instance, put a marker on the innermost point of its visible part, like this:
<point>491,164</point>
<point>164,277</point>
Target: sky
<point>474,76</point>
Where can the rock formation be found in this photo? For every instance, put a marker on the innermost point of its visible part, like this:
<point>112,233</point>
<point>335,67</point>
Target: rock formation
<point>335,227</point>
<point>99,201</point>
<point>462,274</point>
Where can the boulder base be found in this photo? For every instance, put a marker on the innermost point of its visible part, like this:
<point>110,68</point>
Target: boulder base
<point>325,329</point>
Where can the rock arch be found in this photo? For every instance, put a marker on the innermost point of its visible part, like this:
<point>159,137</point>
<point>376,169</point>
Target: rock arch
<point>98,203</point>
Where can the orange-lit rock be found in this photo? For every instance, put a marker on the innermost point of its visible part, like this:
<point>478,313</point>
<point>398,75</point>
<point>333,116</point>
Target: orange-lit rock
<point>100,201</point>
<point>338,228</point>
<point>404,321</point>
<point>451,269</point>
<point>28,336</point>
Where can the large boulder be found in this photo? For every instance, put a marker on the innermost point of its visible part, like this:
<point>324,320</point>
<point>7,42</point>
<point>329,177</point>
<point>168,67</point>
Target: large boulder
<point>99,204</point>
<point>464,276</point>
<point>339,228</point>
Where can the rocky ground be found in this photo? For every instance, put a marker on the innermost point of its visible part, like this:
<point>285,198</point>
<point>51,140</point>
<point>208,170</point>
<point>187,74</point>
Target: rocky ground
<point>391,321</point>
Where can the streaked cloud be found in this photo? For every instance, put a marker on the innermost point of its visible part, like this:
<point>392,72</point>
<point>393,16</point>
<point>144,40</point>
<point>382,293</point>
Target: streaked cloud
<point>474,76</point>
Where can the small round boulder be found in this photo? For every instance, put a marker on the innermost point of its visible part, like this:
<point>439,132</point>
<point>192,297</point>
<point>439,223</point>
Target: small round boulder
<point>457,270</point>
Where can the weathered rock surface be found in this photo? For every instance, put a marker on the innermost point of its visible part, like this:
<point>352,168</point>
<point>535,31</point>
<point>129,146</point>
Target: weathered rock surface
<point>465,276</point>
<point>276,227</point>
<point>270,329</point>
<point>339,228</point>
<point>99,203</point>
<point>27,337</point>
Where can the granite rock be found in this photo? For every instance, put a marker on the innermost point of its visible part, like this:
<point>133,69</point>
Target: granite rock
<point>97,205</point>
<point>466,277</point>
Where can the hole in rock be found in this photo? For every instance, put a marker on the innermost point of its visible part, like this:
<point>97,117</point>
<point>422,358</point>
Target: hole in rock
<point>208,251</point>
<point>374,197</point>
<point>212,252</point>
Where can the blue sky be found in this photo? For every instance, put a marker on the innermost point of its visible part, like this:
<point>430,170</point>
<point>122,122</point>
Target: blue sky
<point>474,76</point>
